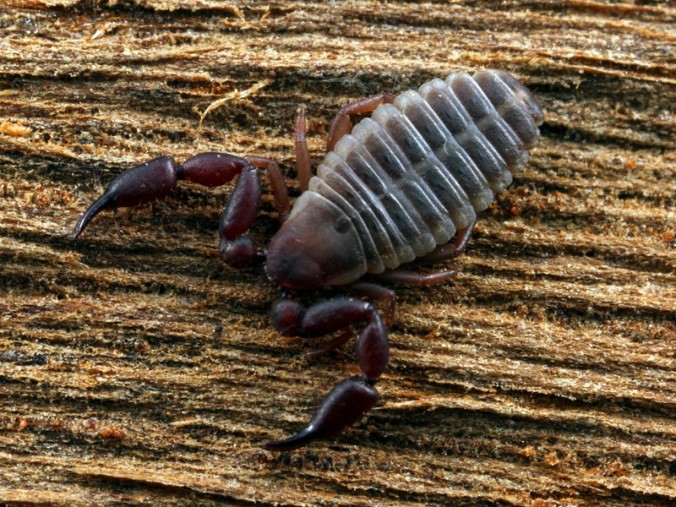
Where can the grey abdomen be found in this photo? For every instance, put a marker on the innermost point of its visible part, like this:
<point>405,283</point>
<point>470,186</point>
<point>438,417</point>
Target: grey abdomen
<point>417,171</point>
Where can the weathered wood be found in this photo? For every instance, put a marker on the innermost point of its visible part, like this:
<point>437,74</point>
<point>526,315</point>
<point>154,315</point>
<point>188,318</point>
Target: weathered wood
<point>136,368</point>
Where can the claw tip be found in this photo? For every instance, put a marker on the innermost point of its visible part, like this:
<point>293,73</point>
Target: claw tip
<point>103,202</point>
<point>303,437</point>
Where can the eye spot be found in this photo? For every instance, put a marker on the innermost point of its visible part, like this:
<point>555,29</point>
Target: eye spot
<point>342,224</point>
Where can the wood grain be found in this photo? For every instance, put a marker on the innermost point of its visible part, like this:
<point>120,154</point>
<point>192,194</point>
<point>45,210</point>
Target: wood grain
<point>136,369</point>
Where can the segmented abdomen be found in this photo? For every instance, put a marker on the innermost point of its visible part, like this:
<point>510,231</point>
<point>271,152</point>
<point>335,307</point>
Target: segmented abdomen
<point>420,169</point>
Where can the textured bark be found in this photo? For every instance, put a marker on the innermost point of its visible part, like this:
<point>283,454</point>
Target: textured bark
<point>136,368</point>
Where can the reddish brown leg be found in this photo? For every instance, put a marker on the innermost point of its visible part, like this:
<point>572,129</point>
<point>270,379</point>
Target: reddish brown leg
<point>352,398</point>
<point>375,292</point>
<point>342,125</point>
<point>303,163</point>
<point>452,250</point>
<point>441,253</point>
<point>277,183</point>
<point>330,346</point>
<point>416,279</point>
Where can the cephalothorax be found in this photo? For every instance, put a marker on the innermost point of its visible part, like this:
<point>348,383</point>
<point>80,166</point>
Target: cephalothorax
<point>398,186</point>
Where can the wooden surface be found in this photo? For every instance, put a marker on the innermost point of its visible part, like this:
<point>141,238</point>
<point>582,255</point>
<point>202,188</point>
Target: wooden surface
<point>136,369</point>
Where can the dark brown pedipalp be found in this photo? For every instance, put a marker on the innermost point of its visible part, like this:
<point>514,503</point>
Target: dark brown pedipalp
<point>344,405</point>
<point>144,183</point>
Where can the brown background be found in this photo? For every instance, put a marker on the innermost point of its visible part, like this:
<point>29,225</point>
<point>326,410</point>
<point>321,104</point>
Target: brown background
<point>136,368</point>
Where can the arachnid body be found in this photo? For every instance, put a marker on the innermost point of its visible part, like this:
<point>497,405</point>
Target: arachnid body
<point>398,186</point>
